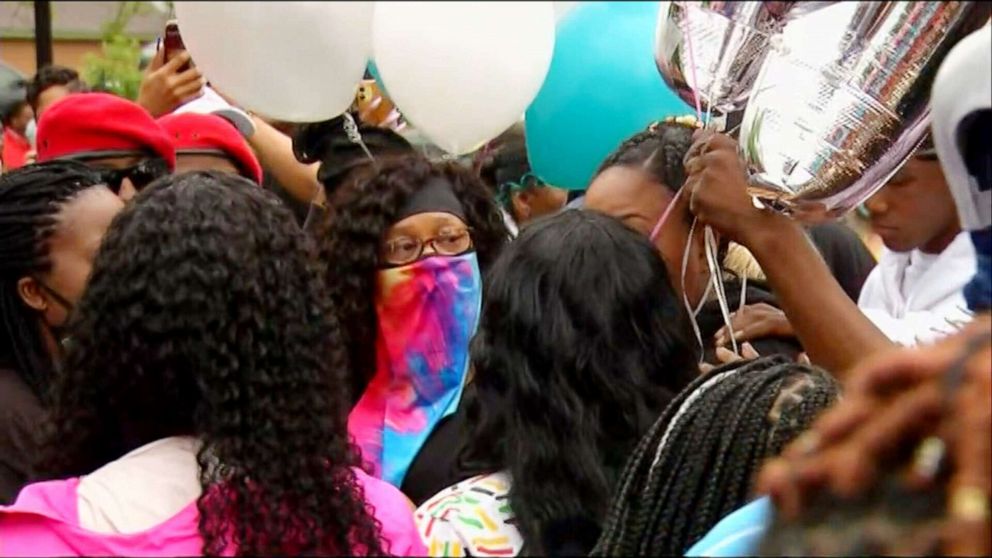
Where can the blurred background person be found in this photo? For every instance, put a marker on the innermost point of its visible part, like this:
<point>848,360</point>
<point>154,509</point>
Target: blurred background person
<point>50,84</point>
<point>522,195</point>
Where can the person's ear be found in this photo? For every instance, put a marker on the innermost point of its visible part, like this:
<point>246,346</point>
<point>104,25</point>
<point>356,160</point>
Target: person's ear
<point>30,293</point>
<point>521,204</point>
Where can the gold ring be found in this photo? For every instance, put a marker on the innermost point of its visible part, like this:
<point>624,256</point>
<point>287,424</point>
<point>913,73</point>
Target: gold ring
<point>969,503</point>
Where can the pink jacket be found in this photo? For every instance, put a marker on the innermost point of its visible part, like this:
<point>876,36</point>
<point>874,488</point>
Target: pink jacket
<point>44,522</point>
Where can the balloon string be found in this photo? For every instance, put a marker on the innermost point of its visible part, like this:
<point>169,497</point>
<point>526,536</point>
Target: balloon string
<point>685,296</point>
<point>664,216</point>
<point>351,130</point>
<point>717,276</point>
<point>692,61</point>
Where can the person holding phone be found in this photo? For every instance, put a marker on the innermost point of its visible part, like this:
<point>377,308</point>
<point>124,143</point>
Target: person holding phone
<point>171,79</point>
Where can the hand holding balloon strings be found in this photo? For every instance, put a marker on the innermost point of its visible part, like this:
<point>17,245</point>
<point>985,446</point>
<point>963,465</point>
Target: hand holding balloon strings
<point>715,268</point>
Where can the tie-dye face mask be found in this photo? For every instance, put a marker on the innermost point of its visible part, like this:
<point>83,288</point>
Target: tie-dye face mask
<point>428,312</point>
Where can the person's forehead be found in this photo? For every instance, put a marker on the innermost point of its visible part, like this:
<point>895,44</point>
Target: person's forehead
<point>623,191</point>
<point>89,211</point>
<point>49,95</point>
<point>425,223</point>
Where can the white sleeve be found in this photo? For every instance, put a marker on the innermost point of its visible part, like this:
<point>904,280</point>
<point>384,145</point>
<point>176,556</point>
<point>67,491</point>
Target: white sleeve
<point>920,327</point>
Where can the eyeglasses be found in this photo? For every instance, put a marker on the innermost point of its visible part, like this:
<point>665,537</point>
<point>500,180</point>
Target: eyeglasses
<point>141,174</point>
<point>405,250</point>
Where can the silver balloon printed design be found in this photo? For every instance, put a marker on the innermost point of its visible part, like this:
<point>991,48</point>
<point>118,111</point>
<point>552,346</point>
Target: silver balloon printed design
<point>820,136</point>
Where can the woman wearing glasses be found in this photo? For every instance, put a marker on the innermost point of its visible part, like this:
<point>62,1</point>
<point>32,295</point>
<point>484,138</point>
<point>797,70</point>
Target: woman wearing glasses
<point>404,248</point>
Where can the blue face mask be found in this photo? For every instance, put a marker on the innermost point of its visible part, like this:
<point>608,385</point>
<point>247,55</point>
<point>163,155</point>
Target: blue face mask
<point>978,292</point>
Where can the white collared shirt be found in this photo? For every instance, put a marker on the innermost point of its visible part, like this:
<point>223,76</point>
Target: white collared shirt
<point>916,298</point>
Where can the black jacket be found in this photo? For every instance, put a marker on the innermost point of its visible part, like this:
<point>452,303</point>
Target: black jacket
<point>21,415</point>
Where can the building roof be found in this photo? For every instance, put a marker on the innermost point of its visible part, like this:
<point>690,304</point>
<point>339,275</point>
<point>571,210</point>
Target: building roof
<point>81,20</point>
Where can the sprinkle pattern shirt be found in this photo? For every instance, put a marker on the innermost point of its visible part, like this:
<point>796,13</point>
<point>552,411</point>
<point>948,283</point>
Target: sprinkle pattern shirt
<point>471,518</point>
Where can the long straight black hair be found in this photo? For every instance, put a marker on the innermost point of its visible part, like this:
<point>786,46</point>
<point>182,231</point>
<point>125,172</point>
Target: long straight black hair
<point>581,345</point>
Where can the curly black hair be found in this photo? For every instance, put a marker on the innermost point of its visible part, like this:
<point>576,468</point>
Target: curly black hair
<point>206,316</point>
<point>582,343</point>
<point>31,198</point>
<point>362,210</point>
<point>704,451</point>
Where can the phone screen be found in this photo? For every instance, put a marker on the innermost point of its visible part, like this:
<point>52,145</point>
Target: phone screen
<point>173,43</point>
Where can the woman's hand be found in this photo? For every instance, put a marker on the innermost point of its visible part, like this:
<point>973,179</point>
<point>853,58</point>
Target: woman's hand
<point>716,184</point>
<point>755,321</point>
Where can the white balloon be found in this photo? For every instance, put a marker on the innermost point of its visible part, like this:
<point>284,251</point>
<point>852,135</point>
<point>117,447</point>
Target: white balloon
<point>463,72</point>
<point>562,9</point>
<point>292,61</point>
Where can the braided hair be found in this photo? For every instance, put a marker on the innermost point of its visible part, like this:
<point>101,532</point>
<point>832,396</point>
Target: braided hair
<point>702,453</point>
<point>658,150</point>
<point>30,201</point>
<point>206,316</point>
<point>365,205</point>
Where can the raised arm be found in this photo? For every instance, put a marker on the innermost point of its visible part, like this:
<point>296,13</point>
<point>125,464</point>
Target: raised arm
<point>833,331</point>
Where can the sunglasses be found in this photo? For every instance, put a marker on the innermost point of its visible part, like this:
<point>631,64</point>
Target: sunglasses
<point>141,174</point>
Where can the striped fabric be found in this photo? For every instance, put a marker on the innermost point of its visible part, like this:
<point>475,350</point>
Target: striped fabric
<point>471,518</point>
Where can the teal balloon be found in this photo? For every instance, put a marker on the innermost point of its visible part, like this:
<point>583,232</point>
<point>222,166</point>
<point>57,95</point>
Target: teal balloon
<point>602,87</point>
<point>374,72</point>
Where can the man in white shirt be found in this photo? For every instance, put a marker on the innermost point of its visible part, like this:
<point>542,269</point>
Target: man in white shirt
<point>915,295</point>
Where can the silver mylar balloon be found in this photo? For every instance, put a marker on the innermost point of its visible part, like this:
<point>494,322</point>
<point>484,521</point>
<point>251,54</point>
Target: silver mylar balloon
<point>722,44</point>
<point>828,124</point>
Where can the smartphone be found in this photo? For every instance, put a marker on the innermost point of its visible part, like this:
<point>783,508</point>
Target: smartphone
<point>173,42</point>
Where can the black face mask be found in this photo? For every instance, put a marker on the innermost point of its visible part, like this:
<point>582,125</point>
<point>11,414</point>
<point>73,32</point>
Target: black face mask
<point>60,332</point>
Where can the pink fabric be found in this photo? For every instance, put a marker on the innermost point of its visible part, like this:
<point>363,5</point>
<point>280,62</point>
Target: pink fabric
<point>44,522</point>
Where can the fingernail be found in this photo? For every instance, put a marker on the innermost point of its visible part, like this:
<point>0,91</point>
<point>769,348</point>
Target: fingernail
<point>747,345</point>
<point>808,443</point>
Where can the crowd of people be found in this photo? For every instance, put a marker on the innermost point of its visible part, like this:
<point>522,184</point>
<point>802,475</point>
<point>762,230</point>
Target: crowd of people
<point>221,334</point>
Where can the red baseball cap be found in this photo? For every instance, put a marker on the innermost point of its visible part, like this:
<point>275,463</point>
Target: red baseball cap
<point>208,134</point>
<point>91,124</point>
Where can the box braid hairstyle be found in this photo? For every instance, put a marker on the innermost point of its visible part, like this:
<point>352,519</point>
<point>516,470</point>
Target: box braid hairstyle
<point>697,463</point>
<point>30,201</point>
